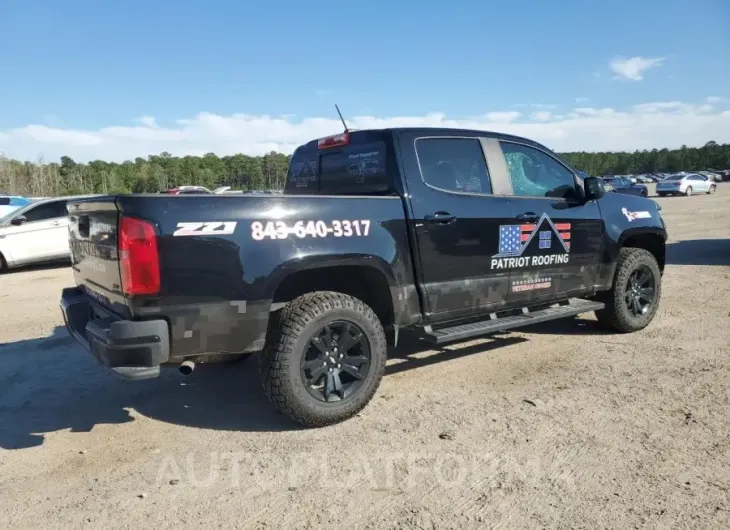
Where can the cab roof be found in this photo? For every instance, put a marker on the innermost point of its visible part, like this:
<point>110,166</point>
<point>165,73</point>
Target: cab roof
<point>431,131</point>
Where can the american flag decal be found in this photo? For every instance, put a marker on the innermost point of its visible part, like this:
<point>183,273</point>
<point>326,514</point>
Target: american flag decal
<point>564,233</point>
<point>513,239</point>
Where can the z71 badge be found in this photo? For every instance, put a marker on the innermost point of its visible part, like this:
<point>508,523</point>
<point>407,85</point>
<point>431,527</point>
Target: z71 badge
<point>208,228</point>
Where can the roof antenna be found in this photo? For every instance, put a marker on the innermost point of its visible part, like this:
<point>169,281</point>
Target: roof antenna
<point>341,118</point>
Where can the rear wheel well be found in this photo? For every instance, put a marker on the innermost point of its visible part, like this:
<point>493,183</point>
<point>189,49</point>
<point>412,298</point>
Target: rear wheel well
<point>654,243</point>
<point>365,283</point>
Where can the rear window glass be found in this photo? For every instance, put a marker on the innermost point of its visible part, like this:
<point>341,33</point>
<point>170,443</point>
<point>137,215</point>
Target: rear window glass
<point>354,169</point>
<point>453,164</point>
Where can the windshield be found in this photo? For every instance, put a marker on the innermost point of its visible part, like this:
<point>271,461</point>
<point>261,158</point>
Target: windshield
<point>5,216</point>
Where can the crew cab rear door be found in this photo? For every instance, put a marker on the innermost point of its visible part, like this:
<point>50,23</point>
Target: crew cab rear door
<point>456,211</point>
<point>552,244</point>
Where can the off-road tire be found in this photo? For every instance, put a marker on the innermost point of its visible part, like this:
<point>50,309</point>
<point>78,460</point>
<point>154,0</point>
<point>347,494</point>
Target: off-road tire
<point>3,264</point>
<point>711,190</point>
<point>290,329</point>
<point>615,315</point>
<point>688,191</point>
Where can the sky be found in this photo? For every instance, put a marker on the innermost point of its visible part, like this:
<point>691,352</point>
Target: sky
<point>115,80</point>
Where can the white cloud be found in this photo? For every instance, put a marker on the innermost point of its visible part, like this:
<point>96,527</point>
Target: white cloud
<point>503,117</point>
<point>543,106</point>
<point>542,115</point>
<point>645,126</point>
<point>715,99</point>
<point>633,68</point>
<point>148,121</point>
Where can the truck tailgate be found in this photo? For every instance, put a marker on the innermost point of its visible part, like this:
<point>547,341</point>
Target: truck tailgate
<point>94,252</point>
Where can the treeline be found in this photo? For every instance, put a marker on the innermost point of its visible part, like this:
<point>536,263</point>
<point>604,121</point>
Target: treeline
<point>710,156</point>
<point>150,175</point>
<point>160,172</point>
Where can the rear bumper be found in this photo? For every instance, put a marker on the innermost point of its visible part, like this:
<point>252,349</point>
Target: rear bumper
<point>132,349</point>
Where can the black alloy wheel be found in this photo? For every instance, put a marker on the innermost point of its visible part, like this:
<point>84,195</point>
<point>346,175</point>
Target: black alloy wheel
<point>640,291</point>
<point>336,361</point>
<point>324,358</point>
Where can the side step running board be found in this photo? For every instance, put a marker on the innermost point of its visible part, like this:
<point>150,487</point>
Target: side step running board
<point>465,331</point>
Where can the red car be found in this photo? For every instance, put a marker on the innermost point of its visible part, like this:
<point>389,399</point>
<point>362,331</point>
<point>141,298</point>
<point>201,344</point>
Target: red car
<point>180,190</point>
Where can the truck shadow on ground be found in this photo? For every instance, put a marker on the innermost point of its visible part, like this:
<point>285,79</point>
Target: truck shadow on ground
<point>567,326</point>
<point>51,384</point>
<point>699,252</point>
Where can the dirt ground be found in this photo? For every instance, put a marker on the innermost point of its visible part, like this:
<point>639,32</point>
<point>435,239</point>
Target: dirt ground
<point>561,425</point>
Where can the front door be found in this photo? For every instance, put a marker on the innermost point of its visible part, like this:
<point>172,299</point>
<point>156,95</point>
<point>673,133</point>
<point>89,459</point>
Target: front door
<point>455,215</point>
<point>552,245</point>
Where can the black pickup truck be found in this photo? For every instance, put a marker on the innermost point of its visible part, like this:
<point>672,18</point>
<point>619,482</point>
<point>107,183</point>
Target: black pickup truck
<point>450,233</point>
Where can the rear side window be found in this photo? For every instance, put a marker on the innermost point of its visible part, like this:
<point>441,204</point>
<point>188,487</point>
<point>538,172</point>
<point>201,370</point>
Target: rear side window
<point>349,170</point>
<point>453,164</point>
<point>354,169</point>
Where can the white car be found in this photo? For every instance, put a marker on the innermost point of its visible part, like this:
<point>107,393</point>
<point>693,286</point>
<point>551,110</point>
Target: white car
<point>685,185</point>
<point>35,233</point>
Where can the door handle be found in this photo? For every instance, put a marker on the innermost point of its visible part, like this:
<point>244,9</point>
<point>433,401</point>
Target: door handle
<point>440,217</point>
<point>56,223</point>
<point>528,216</point>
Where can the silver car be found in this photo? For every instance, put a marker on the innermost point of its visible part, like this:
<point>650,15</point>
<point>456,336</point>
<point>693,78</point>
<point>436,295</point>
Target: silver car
<point>685,185</point>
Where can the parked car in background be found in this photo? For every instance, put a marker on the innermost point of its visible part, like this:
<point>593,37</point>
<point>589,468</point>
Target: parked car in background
<point>34,233</point>
<point>686,184</point>
<point>185,190</point>
<point>226,190</point>
<point>713,177</point>
<point>625,186</point>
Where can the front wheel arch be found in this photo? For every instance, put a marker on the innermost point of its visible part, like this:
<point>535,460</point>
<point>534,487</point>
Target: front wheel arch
<point>651,241</point>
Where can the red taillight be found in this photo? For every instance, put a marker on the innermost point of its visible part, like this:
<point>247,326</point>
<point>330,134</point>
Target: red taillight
<point>334,141</point>
<point>139,261</point>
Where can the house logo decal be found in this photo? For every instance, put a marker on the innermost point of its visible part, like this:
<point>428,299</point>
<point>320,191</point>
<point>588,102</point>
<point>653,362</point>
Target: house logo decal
<point>532,244</point>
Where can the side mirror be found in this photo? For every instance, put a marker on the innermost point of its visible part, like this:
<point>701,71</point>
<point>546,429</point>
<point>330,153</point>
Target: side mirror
<point>594,188</point>
<point>18,220</point>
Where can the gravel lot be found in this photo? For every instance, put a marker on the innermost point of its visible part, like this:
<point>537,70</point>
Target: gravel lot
<point>561,425</point>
